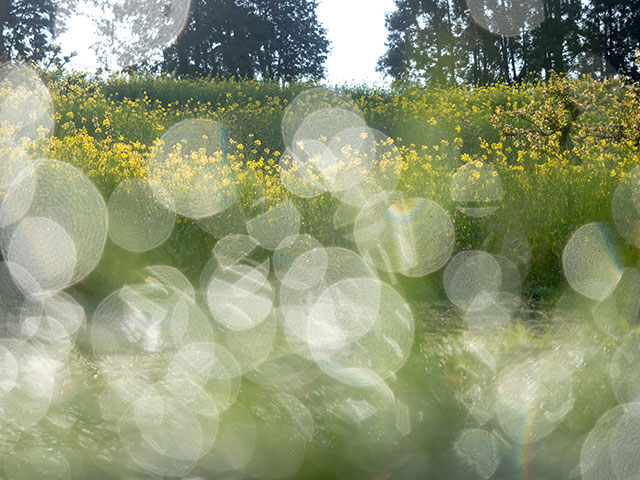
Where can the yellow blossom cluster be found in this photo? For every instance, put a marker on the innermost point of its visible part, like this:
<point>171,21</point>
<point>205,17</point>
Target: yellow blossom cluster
<point>558,149</point>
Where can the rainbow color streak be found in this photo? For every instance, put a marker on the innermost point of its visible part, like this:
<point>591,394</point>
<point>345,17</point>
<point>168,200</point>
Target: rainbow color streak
<point>405,210</point>
<point>523,456</point>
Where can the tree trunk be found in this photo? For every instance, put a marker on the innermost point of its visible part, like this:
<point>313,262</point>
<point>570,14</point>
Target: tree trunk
<point>5,9</point>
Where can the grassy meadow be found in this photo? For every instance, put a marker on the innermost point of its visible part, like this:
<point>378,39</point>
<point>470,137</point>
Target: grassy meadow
<point>494,354</point>
<point>560,150</point>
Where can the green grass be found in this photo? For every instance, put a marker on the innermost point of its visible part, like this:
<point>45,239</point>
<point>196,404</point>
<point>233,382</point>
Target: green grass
<point>535,384</point>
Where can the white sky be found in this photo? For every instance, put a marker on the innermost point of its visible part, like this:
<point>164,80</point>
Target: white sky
<point>357,33</point>
<point>355,29</point>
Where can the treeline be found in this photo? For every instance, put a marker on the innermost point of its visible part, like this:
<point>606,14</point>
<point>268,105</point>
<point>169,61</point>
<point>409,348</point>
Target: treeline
<point>483,41</point>
<point>445,42</point>
<point>249,39</point>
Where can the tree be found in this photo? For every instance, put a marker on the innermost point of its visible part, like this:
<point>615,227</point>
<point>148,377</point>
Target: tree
<point>26,29</point>
<point>421,42</point>
<point>275,39</point>
<point>612,34</point>
<point>557,41</point>
<point>437,41</point>
<point>482,41</point>
<point>130,36</point>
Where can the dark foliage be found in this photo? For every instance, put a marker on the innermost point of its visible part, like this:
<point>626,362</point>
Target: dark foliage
<point>268,39</point>
<point>483,41</point>
<point>26,29</point>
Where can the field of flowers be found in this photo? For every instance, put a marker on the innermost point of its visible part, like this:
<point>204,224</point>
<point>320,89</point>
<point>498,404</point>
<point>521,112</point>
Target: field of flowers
<point>234,279</point>
<point>559,149</point>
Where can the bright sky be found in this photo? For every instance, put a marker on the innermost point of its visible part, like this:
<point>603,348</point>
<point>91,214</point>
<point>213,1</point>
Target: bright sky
<point>357,33</point>
<point>355,28</point>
